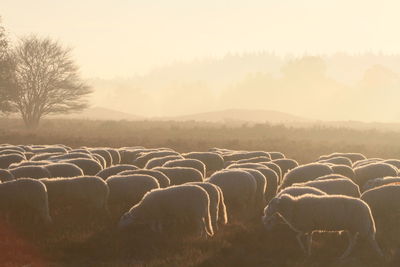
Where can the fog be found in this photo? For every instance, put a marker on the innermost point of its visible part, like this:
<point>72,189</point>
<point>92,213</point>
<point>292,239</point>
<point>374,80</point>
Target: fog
<point>326,60</point>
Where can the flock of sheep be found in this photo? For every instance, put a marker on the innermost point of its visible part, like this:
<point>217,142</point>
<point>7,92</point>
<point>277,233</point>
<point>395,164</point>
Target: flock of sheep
<point>163,189</point>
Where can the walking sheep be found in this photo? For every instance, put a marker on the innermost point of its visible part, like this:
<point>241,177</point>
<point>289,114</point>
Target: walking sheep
<point>181,175</point>
<point>35,172</point>
<point>213,161</point>
<point>342,186</point>
<point>310,213</point>
<point>305,173</point>
<point>107,172</point>
<point>88,166</point>
<point>191,163</point>
<point>373,170</point>
<point>162,179</point>
<point>63,170</point>
<point>161,208</point>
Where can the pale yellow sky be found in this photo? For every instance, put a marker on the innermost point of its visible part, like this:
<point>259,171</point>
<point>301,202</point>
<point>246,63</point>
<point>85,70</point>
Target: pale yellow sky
<point>125,37</point>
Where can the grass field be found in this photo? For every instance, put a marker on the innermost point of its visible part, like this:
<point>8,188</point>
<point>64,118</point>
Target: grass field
<point>96,243</point>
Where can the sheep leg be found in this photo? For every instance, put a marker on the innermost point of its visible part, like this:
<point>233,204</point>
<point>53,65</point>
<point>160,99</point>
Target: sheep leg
<point>309,243</point>
<point>374,244</point>
<point>352,242</point>
<point>299,237</point>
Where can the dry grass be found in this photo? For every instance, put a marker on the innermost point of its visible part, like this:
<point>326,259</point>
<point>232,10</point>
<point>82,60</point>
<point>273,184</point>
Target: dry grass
<point>96,243</point>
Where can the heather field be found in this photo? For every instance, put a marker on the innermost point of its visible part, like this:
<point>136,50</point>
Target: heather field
<point>74,241</point>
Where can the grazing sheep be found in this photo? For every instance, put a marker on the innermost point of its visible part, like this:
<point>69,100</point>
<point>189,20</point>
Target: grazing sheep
<point>100,160</point>
<point>12,151</point>
<point>83,193</point>
<point>366,162</point>
<point>105,154</point>
<point>213,161</point>
<point>239,155</point>
<point>276,155</point>
<point>35,172</point>
<point>305,173</point>
<point>158,162</point>
<point>162,179</point>
<point>216,202</point>
<point>384,202</point>
<point>394,162</point>
<point>88,166</point>
<point>144,158</point>
<point>271,177</point>
<point>373,170</point>
<point>8,159</point>
<point>239,189</point>
<point>29,163</point>
<point>164,207</point>
<point>191,163</point>
<point>107,172</point>
<point>285,165</point>
<point>338,161</point>
<point>351,156</point>
<point>251,160</point>
<point>74,155</point>
<point>270,220</point>
<point>342,186</point>
<point>115,155</point>
<point>49,149</point>
<point>11,147</point>
<point>310,213</point>
<point>275,167</point>
<point>6,175</point>
<point>372,183</point>
<point>44,156</point>
<point>25,199</point>
<point>63,170</point>
<point>127,190</point>
<point>261,182</point>
<point>181,175</point>
<point>343,170</point>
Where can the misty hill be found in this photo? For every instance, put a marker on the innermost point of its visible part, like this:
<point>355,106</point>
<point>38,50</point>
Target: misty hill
<point>100,113</point>
<point>242,115</point>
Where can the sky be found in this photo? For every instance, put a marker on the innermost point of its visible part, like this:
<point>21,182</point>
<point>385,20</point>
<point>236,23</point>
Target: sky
<point>121,38</point>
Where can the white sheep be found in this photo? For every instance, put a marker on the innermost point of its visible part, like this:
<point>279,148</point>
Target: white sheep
<point>181,175</point>
<point>5,175</point>
<point>159,161</point>
<point>373,170</point>
<point>175,204</point>
<point>63,170</point>
<point>351,156</point>
<point>213,161</point>
<point>310,213</point>
<point>127,190</point>
<point>338,161</point>
<point>142,160</point>
<point>191,163</point>
<point>35,172</point>
<point>341,186</point>
<point>285,165</point>
<point>25,199</point>
<point>343,170</point>
<point>162,179</point>
<point>88,166</point>
<point>305,173</point>
<point>107,172</point>
<point>372,183</point>
<point>239,190</point>
<point>8,159</point>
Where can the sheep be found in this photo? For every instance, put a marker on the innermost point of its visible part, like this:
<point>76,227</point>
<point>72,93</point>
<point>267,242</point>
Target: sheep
<point>275,167</point>
<point>115,155</point>
<point>245,155</point>
<point>373,170</point>
<point>43,156</point>
<point>276,155</point>
<point>63,170</point>
<point>394,162</point>
<point>344,187</point>
<point>331,176</point>
<point>100,160</point>
<point>11,147</point>
<point>88,166</point>
<point>338,161</point>
<point>310,213</point>
<point>181,175</point>
<point>213,161</point>
<point>305,173</point>
<point>6,175</point>
<point>239,189</point>
<point>270,220</point>
<point>35,172</point>
<point>29,163</point>
<point>271,177</point>
<point>74,155</point>
<point>82,193</point>
<point>107,172</point>
<point>191,163</point>
<point>250,160</point>
<point>216,203</point>
<point>127,190</point>
<point>25,199</point>
<point>160,207</point>
<point>8,159</point>
<point>366,162</point>
<point>105,154</point>
<point>285,165</point>
<point>384,202</point>
<point>158,162</point>
<point>144,158</point>
<point>162,179</point>
<point>49,149</point>
<point>12,151</point>
<point>351,156</point>
<point>261,182</point>
<point>372,183</point>
<point>343,170</point>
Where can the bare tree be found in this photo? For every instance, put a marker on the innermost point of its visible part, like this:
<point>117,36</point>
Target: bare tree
<point>46,80</point>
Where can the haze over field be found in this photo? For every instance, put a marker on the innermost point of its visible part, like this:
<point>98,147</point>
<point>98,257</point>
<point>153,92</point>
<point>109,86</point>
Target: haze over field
<point>328,60</point>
